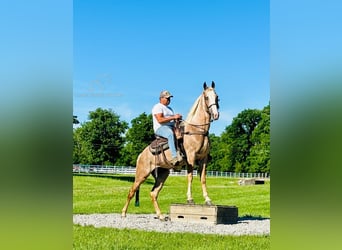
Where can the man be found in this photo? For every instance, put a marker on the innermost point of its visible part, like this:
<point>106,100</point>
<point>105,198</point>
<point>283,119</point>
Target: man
<point>163,123</point>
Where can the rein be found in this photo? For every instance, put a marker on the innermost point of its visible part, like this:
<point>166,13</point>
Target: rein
<point>197,125</point>
<point>204,132</point>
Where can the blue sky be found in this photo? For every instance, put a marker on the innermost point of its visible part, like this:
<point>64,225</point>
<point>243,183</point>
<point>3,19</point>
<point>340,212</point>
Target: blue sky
<point>127,52</point>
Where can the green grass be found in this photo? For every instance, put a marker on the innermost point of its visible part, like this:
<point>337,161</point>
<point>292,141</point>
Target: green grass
<point>110,238</point>
<point>107,194</point>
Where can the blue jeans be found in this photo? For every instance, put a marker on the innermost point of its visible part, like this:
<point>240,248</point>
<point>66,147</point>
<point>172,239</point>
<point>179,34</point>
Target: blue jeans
<point>167,132</point>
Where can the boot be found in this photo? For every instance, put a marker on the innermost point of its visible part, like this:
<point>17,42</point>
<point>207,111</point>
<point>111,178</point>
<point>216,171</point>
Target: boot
<point>177,159</point>
<point>174,161</point>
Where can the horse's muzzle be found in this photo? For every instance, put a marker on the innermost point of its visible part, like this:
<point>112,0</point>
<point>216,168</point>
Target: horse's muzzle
<point>215,116</point>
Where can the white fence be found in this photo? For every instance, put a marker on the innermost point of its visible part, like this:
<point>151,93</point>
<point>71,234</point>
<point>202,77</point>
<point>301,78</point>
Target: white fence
<point>100,169</point>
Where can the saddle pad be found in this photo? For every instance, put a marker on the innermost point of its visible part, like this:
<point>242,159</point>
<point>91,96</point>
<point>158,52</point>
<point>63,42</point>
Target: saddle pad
<point>158,145</point>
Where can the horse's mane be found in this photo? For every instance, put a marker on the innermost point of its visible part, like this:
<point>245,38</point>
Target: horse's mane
<point>193,109</point>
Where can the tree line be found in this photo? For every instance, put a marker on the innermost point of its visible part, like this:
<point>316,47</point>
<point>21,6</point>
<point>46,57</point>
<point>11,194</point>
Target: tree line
<point>243,146</point>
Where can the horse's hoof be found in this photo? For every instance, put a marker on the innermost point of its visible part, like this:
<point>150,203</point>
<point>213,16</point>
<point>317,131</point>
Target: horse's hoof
<point>123,215</point>
<point>162,218</point>
<point>209,203</point>
<point>191,202</point>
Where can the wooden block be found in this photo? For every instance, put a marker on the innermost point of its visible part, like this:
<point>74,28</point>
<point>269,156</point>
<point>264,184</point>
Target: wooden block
<point>259,182</point>
<point>252,181</point>
<point>204,214</point>
<point>244,182</point>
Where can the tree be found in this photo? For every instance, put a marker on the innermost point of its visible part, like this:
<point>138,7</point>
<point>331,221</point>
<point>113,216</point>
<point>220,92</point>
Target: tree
<point>244,146</point>
<point>259,158</point>
<point>76,153</point>
<point>138,137</point>
<point>239,138</point>
<point>100,140</point>
<point>219,152</point>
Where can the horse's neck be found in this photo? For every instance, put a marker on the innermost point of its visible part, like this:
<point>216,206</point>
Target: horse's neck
<point>198,114</point>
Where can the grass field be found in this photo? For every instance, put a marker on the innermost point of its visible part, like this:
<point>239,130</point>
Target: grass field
<point>107,194</point>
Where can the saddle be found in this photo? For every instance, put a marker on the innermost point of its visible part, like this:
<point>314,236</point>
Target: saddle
<point>158,145</point>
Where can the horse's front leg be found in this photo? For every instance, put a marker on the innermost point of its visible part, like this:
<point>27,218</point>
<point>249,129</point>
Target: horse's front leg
<point>190,200</point>
<point>204,184</point>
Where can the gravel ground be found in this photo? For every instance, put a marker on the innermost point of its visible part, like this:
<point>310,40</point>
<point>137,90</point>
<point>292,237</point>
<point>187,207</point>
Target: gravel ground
<point>148,222</point>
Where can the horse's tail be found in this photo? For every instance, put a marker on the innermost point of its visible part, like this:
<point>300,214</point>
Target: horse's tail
<point>200,168</point>
<point>137,202</point>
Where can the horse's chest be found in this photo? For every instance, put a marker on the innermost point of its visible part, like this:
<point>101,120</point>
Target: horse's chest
<point>205,147</point>
<point>199,147</point>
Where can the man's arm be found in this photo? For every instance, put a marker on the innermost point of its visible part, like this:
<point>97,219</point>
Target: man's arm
<point>162,119</point>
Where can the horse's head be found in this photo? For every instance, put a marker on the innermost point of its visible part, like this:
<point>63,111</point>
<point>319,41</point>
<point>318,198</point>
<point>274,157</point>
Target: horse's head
<point>211,100</point>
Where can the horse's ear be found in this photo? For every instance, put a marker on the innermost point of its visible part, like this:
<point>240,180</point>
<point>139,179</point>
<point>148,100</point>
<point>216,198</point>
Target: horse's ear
<point>213,84</point>
<point>205,85</point>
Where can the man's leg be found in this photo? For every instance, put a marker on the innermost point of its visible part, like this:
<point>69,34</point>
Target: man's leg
<point>166,132</point>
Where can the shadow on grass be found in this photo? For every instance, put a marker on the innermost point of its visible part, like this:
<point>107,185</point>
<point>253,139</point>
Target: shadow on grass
<point>114,177</point>
<point>251,217</point>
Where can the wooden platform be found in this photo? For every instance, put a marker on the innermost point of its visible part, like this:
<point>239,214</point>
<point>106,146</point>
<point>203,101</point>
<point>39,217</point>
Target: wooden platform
<point>250,181</point>
<point>204,214</point>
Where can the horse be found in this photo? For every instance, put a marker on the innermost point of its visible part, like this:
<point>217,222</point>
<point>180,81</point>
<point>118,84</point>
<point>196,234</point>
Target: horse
<point>196,147</point>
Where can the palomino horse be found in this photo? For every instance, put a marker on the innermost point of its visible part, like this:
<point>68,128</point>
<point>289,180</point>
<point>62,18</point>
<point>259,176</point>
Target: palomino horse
<point>196,147</point>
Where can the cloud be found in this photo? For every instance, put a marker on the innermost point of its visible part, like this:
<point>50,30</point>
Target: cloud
<point>124,111</point>
<point>226,116</point>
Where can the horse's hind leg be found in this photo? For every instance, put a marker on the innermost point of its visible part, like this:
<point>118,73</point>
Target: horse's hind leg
<point>130,195</point>
<point>160,175</point>
<point>140,177</point>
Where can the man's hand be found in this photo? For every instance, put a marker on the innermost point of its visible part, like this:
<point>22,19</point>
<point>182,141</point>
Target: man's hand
<point>177,116</point>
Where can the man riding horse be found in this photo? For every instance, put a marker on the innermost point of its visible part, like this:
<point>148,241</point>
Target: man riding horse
<point>163,123</point>
<point>195,146</point>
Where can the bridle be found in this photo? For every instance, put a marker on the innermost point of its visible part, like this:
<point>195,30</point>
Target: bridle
<point>206,98</point>
<point>199,126</point>
<point>215,103</point>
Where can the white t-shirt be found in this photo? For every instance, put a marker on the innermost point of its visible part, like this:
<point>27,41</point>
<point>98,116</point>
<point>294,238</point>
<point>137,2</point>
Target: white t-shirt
<point>165,110</point>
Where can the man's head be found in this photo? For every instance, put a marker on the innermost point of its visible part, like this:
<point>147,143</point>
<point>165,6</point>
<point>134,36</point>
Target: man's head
<point>165,97</point>
<point>165,94</point>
